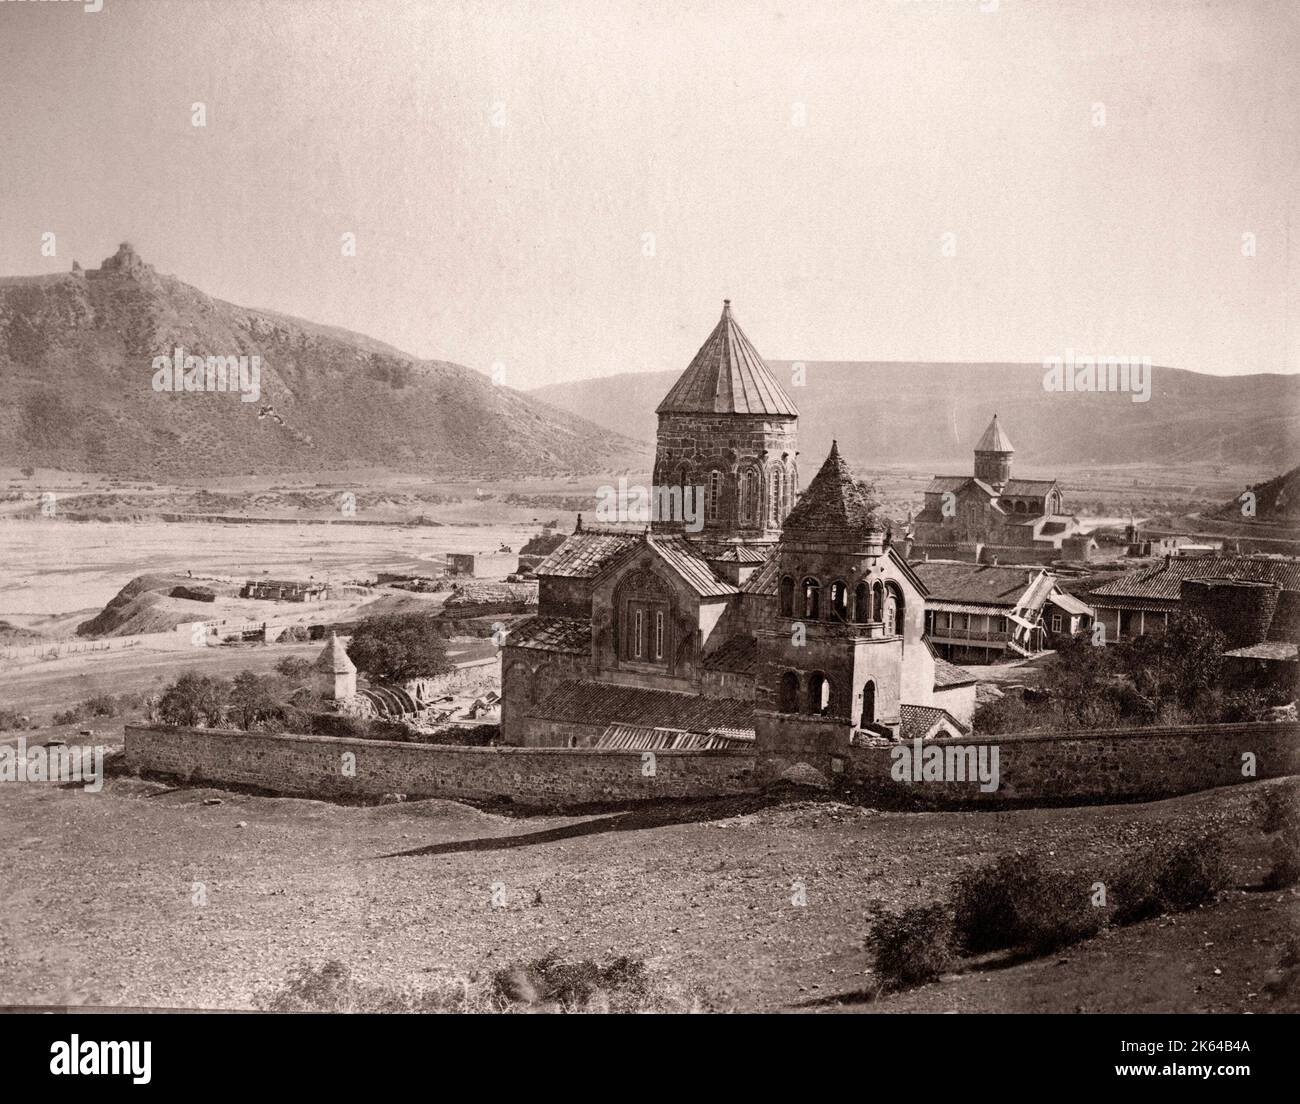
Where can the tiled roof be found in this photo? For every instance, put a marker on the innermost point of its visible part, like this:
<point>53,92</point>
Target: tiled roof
<point>727,376</point>
<point>738,553</point>
<point>763,581</point>
<point>688,562</point>
<point>552,634</point>
<point>584,555</point>
<point>1279,650</point>
<point>942,483</point>
<point>1027,487</point>
<point>581,701</point>
<point>994,439</point>
<point>976,583</point>
<point>949,674</point>
<point>1163,580</point>
<point>645,738</point>
<point>918,720</point>
<point>737,655</point>
<point>835,500</point>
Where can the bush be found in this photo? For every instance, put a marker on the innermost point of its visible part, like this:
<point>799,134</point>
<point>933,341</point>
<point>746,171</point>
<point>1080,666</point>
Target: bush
<point>912,947</point>
<point>9,720</point>
<point>1151,884</point>
<point>623,985</point>
<point>1285,871</point>
<point>194,700</point>
<point>1014,903</point>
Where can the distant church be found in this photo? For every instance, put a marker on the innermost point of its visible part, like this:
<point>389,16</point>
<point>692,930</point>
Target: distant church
<point>990,517</point>
<point>785,623</point>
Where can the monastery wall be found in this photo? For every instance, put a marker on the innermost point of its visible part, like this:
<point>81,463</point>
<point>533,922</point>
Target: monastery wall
<point>1075,768</point>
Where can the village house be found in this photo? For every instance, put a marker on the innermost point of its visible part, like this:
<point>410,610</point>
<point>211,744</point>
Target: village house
<point>982,614</point>
<point>652,637</point>
<point>1251,599</point>
<point>990,517</point>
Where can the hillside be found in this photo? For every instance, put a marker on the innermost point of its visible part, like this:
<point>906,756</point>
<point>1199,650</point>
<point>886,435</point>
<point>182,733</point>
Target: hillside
<point>894,412</point>
<point>1277,500</point>
<point>76,370</point>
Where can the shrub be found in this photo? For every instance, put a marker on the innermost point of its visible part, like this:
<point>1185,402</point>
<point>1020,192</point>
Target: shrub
<point>1152,883</point>
<point>1278,808</point>
<point>912,947</point>
<point>1015,903</point>
<point>1285,871</point>
<point>9,720</point>
<point>294,668</point>
<point>623,985</point>
<point>194,699</point>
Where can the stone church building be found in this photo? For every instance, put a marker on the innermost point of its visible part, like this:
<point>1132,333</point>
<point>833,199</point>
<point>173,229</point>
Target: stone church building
<point>992,517</point>
<point>786,623</point>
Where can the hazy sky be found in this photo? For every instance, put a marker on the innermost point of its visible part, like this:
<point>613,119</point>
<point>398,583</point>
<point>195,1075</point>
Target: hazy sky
<point>525,243</point>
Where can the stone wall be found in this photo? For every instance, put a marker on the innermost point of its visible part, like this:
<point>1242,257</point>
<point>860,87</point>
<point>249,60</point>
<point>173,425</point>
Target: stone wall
<point>1114,765</point>
<point>1110,765</point>
<point>542,777</point>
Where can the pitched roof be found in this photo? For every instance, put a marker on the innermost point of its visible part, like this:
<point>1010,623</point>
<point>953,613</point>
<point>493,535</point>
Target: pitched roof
<point>1069,602</point>
<point>727,376</point>
<point>585,554</point>
<point>947,675</point>
<point>552,634</point>
<point>763,581</point>
<point>994,439</point>
<point>644,738</point>
<point>1028,487</point>
<point>1163,580</point>
<point>835,500</point>
<point>918,721</point>
<point>738,655</point>
<point>977,583</point>
<point>1276,650</point>
<point>582,701</point>
<point>687,560</point>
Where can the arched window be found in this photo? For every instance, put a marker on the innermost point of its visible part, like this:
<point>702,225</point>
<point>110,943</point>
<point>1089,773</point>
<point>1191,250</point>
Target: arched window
<point>774,498</point>
<point>893,611</point>
<point>713,497</point>
<point>877,601</point>
<point>868,704</point>
<point>861,603</point>
<point>789,702</point>
<point>750,498</point>
<point>811,599</point>
<point>1020,507</point>
<point>839,601</point>
<point>819,694</point>
<point>787,596</point>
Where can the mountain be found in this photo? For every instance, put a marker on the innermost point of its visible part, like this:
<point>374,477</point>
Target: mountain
<point>896,412</point>
<point>76,373</point>
<point>1277,500</point>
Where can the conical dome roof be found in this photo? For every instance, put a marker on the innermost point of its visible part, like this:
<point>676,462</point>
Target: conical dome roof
<point>335,658</point>
<point>727,376</point>
<point>835,500</point>
<point>994,440</point>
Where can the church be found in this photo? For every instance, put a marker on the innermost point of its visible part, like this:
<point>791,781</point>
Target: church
<point>989,516</point>
<point>787,622</point>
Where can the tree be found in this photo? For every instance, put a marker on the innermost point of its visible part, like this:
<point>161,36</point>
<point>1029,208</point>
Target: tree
<point>254,699</point>
<point>194,700</point>
<point>398,647</point>
<point>1194,655</point>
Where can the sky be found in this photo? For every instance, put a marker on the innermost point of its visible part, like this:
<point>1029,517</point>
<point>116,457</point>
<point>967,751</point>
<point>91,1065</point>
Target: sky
<point>567,190</point>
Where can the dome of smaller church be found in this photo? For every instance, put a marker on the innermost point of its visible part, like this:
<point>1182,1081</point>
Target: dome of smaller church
<point>835,500</point>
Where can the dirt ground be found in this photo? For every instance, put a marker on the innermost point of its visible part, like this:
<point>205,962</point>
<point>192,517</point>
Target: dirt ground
<point>143,895</point>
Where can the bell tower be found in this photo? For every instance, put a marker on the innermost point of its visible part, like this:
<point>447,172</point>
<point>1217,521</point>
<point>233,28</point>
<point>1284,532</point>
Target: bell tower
<point>993,457</point>
<point>831,660</point>
<point>727,429</point>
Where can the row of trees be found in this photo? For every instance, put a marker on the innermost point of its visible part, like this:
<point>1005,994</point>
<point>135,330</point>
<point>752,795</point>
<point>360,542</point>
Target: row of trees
<point>1167,678</point>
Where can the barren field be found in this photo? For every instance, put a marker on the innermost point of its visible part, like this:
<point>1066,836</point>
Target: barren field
<point>704,891</point>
